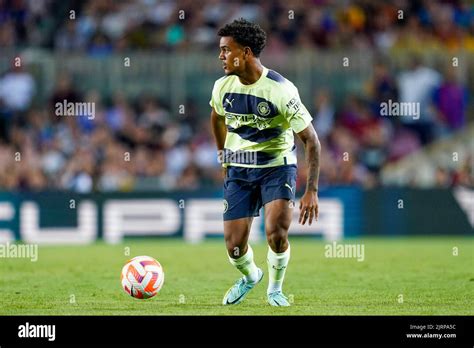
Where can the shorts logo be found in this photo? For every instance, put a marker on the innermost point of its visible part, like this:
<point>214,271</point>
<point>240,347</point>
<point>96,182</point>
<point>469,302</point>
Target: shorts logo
<point>226,206</point>
<point>289,187</point>
<point>263,108</point>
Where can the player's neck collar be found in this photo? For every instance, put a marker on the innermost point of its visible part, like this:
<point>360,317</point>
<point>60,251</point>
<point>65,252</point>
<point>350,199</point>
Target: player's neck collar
<point>262,76</point>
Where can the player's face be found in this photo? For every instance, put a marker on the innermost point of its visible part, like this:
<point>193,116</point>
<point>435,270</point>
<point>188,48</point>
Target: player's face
<point>231,55</point>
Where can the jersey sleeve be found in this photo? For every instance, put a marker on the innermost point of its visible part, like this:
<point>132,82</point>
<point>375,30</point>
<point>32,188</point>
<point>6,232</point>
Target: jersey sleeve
<point>215,101</point>
<point>293,109</point>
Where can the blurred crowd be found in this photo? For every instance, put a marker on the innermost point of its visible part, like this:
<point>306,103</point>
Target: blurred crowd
<point>102,27</point>
<point>126,145</point>
<point>141,144</point>
<point>359,139</point>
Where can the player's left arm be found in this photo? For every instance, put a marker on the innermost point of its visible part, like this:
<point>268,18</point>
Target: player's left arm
<point>309,201</point>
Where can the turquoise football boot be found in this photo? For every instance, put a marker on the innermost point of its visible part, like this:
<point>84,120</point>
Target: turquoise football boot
<point>277,299</point>
<point>240,289</point>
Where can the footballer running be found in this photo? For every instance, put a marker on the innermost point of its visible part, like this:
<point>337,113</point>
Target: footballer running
<point>254,113</point>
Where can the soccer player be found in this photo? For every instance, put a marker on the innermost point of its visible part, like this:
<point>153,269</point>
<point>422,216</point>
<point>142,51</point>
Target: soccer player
<point>255,111</point>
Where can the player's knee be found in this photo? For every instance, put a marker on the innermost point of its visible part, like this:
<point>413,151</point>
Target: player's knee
<point>235,248</point>
<point>278,239</point>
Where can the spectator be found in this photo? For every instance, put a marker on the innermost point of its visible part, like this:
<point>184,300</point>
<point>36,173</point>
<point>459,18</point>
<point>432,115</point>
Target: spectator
<point>382,87</point>
<point>68,39</point>
<point>323,113</point>
<point>17,88</point>
<point>451,101</point>
<point>417,85</point>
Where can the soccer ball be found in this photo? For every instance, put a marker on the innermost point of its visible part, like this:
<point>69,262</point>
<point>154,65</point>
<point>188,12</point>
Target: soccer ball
<point>142,277</point>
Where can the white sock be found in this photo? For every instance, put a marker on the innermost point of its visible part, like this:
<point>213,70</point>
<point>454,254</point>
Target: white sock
<point>246,265</point>
<point>277,263</point>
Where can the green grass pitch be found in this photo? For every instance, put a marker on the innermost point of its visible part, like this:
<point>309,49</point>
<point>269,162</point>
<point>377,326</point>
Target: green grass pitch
<point>85,280</point>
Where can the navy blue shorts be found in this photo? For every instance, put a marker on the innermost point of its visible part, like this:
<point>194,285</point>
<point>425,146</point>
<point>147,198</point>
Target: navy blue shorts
<point>246,190</point>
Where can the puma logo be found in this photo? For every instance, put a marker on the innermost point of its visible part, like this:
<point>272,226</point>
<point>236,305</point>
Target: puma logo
<point>291,188</point>
<point>229,102</point>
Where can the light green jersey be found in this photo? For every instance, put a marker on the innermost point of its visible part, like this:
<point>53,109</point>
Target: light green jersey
<point>260,120</point>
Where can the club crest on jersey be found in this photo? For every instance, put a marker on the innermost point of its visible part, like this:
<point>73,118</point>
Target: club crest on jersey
<point>263,108</point>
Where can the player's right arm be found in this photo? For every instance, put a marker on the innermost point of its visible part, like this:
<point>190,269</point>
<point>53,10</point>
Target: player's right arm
<point>219,130</point>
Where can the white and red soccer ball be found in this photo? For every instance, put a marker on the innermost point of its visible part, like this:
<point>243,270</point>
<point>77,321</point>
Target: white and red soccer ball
<point>142,277</point>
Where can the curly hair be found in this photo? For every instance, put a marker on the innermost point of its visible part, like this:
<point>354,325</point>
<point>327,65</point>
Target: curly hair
<point>245,33</point>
